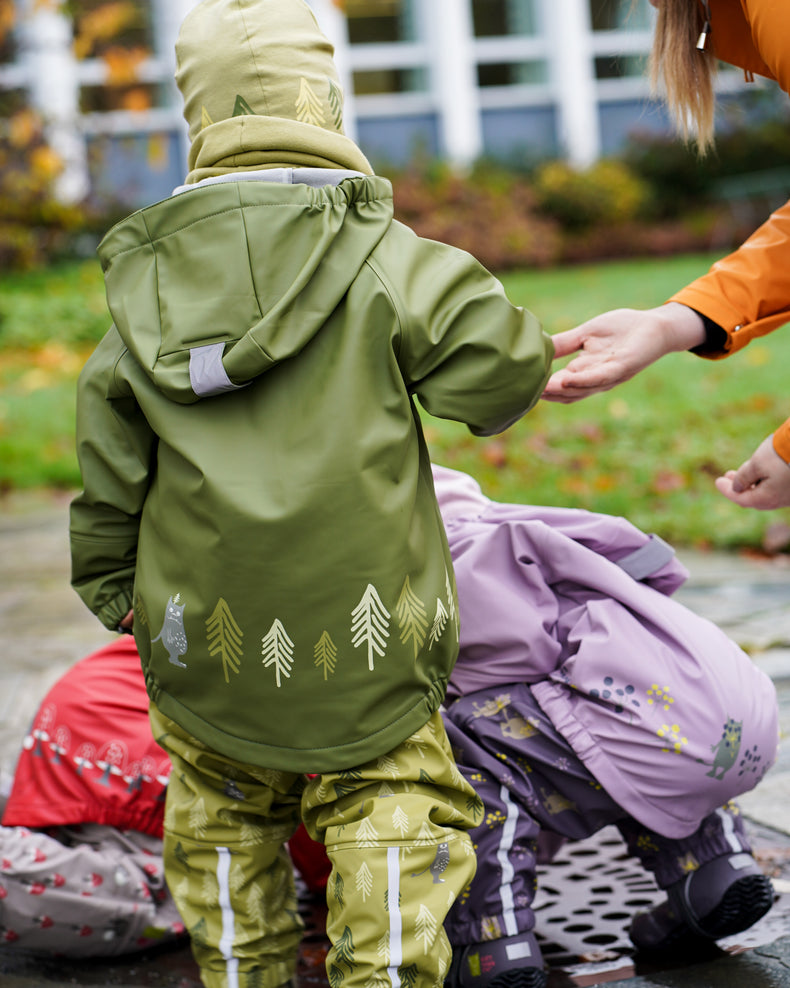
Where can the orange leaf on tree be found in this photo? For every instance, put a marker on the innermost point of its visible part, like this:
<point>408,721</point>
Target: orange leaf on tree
<point>122,64</point>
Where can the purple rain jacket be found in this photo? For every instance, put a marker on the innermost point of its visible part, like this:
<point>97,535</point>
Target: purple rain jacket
<point>671,717</point>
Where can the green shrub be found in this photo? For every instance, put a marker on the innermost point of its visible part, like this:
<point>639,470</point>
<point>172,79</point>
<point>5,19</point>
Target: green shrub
<point>36,225</point>
<point>751,149</point>
<point>490,212</point>
<point>681,180</point>
<point>511,219</point>
<point>608,192</point>
<point>674,171</point>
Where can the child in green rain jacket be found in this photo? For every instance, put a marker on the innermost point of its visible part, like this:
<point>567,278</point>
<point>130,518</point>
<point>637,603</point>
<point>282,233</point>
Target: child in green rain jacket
<point>258,493</point>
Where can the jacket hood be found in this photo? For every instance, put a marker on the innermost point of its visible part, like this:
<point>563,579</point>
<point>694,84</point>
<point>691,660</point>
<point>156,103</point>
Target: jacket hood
<point>211,288</point>
<point>260,89</point>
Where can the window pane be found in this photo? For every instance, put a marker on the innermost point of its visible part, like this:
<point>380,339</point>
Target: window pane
<point>618,15</point>
<point>374,82</point>
<point>100,27</point>
<point>136,97</point>
<point>620,66</point>
<point>512,74</point>
<point>7,41</point>
<point>499,18</point>
<point>380,21</point>
<point>11,102</point>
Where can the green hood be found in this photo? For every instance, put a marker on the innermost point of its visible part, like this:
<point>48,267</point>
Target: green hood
<point>260,89</point>
<point>200,320</point>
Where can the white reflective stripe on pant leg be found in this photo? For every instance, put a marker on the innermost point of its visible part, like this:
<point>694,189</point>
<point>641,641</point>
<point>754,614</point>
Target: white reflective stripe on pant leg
<point>396,920</point>
<point>228,918</point>
<point>503,856</point>
<point>728,827</point>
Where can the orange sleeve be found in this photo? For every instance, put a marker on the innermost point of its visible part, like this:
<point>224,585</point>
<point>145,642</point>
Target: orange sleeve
<point>751,34</point>
<point>769,23</point>
<point>782,441</point>
<point>747,293</point>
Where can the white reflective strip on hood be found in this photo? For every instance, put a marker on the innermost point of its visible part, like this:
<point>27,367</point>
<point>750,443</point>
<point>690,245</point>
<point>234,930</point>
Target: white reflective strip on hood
<point>206,372</point>
<point>314,177</point>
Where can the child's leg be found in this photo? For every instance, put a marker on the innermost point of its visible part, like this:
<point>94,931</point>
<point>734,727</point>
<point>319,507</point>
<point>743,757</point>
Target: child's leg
<point>226,864</point>
<point>81,892</point>
<point>395,833</point>
<point>721,833</point>
<point>529,778</point>
<point>714,886</point>
<point>521,767</point>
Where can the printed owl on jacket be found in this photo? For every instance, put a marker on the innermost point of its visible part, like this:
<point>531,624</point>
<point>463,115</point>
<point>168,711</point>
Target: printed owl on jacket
<point>172,634</point>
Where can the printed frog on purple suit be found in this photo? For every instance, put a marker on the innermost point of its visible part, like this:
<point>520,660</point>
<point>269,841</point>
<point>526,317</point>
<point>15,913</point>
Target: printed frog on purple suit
<point>726,749</point>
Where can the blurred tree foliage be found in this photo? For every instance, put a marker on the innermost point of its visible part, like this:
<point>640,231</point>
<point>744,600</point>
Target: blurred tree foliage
<point>35,224</point>
<point>657,197</point>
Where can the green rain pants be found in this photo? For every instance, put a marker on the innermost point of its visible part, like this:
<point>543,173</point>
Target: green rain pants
<point>395,833</point>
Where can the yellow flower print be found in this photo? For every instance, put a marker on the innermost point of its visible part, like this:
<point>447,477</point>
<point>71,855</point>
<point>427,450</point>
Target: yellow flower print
<point>492,707</point>
<point>490,929</point>
<point>673,737</point>
<point>646,843</point>
<point>495,819</point>
<point>688,863</point>
<point>657,695</point>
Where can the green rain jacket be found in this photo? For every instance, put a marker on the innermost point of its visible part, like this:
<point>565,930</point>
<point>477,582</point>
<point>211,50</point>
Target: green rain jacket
<point>256,482</point>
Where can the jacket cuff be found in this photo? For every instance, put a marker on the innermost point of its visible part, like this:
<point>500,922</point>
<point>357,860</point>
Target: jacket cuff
<point>113,613</point>
<point>715,337</point>
<point>781,441</point>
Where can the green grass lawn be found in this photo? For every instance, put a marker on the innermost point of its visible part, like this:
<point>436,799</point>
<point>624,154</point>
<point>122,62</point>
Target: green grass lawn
<point>648,450</point>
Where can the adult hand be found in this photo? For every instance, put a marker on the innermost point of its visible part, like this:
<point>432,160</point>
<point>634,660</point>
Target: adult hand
<point>763,481</point>
<point>617,345</point>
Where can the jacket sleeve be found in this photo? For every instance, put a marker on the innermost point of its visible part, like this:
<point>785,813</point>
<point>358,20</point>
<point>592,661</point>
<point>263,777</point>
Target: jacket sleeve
<point>746,293</point>
<point>464,349</point>
<point>115,448</point>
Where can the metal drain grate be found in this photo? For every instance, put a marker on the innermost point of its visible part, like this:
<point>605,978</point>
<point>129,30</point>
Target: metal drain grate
<point>586,899</point>
<point>588,895</point>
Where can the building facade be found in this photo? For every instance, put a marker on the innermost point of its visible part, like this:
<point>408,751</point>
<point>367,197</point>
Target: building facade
<point>516,80</point>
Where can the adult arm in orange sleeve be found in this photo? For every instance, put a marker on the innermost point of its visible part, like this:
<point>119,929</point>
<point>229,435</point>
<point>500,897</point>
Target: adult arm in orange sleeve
<point>743,296</point>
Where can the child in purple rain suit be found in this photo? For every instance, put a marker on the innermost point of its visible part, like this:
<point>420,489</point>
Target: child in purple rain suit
<point>585,696</point>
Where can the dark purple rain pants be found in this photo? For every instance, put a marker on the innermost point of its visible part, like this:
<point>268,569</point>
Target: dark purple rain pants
<point>530,780</point>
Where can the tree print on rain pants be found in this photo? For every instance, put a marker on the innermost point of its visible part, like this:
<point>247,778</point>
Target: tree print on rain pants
<point>395,834</point>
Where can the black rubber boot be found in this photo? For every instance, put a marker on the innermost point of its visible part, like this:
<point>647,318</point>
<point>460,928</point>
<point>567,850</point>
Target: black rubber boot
<point>511,962</point>
<point>724,896</point>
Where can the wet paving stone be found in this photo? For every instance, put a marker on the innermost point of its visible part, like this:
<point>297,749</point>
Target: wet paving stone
<point>44,629</point>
